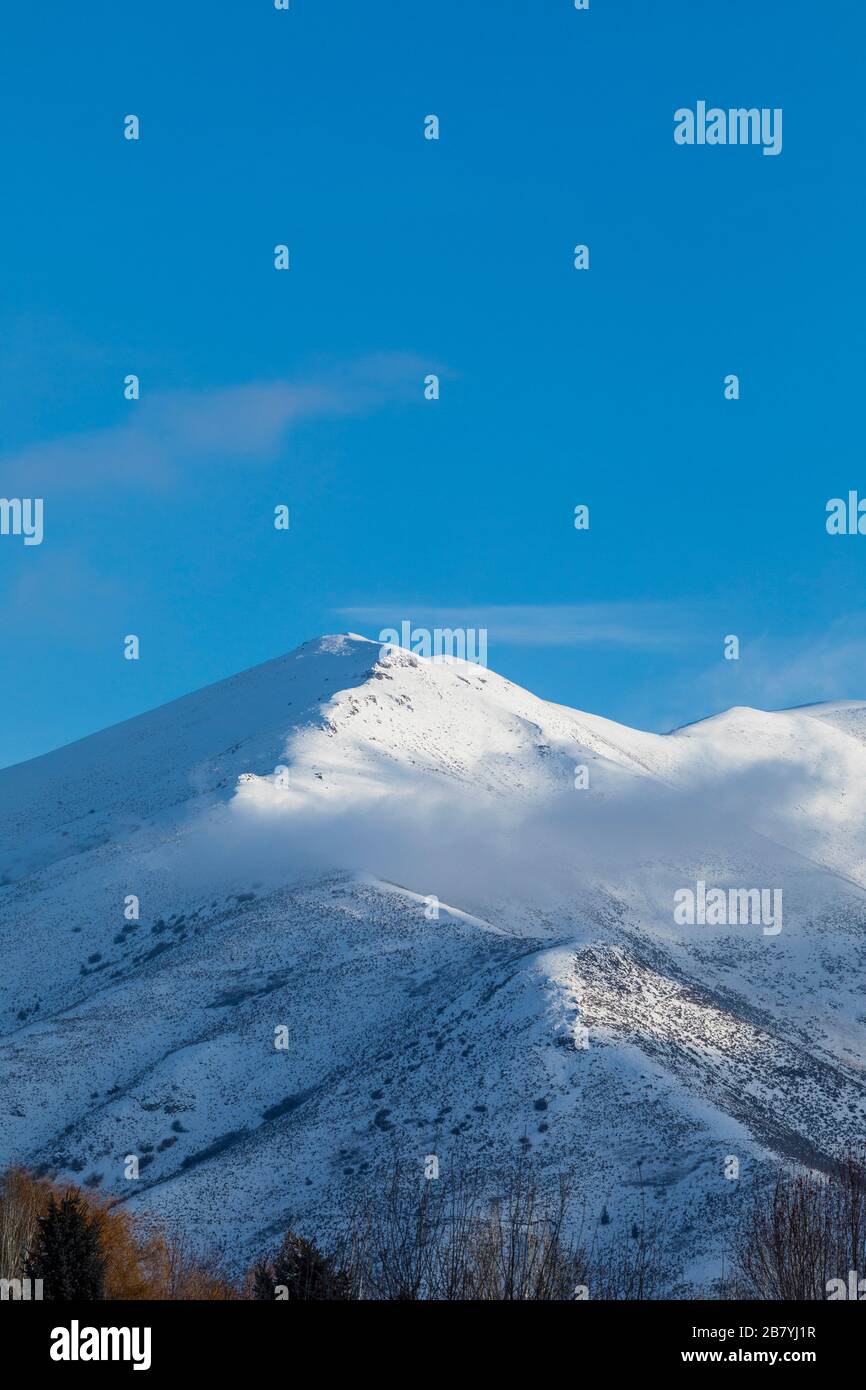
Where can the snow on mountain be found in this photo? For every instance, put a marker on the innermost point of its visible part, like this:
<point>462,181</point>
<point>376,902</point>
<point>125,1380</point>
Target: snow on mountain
<point>395,861</point>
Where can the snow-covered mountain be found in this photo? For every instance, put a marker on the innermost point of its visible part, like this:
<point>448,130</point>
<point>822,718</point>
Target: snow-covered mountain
<point>452,905</point>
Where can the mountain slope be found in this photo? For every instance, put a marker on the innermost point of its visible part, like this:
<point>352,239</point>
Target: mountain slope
<point>390,865</point>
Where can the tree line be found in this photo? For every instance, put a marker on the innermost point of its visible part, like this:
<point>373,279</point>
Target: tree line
<point>409,1239</point>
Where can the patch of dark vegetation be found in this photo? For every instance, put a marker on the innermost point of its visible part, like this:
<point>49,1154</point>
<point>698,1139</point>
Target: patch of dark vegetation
<point>231,997</point>
<point>285,1107</point>
<point>219,1146</point>
<point>158,950</point>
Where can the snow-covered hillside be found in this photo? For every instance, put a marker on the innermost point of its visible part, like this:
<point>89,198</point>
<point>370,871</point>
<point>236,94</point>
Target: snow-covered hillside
<point>394,866</point>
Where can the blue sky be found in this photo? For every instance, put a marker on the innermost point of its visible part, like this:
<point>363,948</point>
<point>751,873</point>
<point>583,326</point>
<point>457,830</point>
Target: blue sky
<point>305,387</point>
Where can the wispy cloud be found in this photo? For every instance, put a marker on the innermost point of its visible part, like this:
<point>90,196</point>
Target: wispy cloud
<point>166,433</point>
<point>774,673</point>
<point>647,626</point>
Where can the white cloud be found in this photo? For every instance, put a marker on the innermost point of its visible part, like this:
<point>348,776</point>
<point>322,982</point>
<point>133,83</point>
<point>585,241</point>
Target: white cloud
<point>645,625</point>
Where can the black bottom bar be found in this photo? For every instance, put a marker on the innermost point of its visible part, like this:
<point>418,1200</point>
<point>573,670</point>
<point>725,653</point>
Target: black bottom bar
<point>226,1337</point>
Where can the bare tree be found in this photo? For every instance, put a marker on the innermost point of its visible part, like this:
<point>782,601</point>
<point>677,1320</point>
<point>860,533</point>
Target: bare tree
<point>22,1201</point>
<point>803,1232</point>
<point>452,1238</point>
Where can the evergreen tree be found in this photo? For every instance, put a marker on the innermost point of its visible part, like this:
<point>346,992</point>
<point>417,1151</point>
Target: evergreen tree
<point>302,1270</point>
<point>262,1281</point>
<point>67,1254</point>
